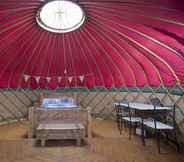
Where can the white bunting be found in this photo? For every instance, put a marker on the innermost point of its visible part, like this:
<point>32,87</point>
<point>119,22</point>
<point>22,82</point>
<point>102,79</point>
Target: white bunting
<point>70,79</point>
<point>65,71</point>
<point>81,78</point>
<point>37,78</point>
<point>48,79</point>
<point>59,79</point>
<point>26,77</point>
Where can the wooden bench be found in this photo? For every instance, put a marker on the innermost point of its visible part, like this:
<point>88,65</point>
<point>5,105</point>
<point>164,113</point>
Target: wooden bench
<point>60,131</point>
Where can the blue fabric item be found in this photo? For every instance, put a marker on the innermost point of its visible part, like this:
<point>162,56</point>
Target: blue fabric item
<point>58,103</point>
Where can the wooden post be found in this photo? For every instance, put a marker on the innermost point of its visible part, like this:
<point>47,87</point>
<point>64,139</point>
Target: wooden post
<point>32,117</point>
<point>75,98</point>
<point>31,120</point>
<point>41,97</point>
<point>89,125</point>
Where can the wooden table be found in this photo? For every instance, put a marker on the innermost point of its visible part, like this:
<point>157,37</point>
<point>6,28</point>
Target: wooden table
<point>153,124</point>
<point>60,131</point>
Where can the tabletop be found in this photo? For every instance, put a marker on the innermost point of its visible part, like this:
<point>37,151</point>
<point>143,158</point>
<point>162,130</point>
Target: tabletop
<point>141,106</point>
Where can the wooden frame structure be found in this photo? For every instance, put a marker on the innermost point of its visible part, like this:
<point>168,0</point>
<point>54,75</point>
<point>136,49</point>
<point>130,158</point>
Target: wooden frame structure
<point>66,121</point>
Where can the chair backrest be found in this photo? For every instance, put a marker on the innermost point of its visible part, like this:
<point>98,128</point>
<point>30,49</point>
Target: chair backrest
<point>168,116</point>
<point>156,102</point>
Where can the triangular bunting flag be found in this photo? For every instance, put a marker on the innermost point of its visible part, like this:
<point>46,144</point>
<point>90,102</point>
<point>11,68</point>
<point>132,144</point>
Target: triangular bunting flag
<point>26,77</point>
<point>81,78</point>
<point>48,79</point>
<point>37,78</point>
<point>70,79</point>
<point>59,79</point>
<point>65,71</point>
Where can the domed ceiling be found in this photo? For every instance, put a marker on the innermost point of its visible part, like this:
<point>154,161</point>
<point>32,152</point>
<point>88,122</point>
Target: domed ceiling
<point>121,43</point>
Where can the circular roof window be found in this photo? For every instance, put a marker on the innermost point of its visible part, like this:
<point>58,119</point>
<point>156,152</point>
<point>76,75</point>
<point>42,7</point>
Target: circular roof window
<point>60,16</point>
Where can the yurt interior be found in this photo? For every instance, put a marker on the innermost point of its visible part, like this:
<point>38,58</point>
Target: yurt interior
<point>91,80</point>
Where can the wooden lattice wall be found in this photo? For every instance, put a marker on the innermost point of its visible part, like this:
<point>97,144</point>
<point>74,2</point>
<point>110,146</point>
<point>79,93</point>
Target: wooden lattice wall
<point>14,104</point>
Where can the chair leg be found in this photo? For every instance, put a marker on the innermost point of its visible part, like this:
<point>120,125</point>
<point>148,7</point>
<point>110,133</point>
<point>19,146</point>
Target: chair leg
<point>167,136</point>
<point>176,140</point>
<point>126,125</point>
<point>158,140</point>
<point>135,126</point>
<point>142,134</point>
<point>130,130</point>
<point>118,122</point>
<point>120,126</point>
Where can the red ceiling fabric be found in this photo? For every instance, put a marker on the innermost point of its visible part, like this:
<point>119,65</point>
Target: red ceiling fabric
<point>122,43</point>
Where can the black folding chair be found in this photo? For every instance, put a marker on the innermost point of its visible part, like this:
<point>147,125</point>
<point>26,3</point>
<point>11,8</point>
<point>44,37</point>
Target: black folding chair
<point>162,126</point>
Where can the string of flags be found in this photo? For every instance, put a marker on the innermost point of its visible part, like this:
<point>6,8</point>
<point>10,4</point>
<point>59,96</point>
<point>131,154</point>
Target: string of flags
<point>48,79</point>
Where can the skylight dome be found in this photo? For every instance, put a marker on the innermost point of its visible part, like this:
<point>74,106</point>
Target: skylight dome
<point>60,16</point>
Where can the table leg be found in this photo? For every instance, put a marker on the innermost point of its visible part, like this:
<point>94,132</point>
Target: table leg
<point>130,130</point>
<point>78,141</point>
<point>43,142</point>
<point>142,133</point>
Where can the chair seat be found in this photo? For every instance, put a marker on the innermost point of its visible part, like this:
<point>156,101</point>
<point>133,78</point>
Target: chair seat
<point>159,125</point>
<point>132,119</point>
